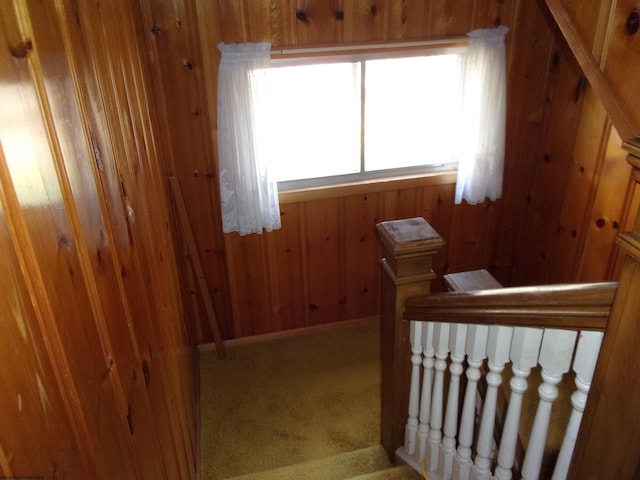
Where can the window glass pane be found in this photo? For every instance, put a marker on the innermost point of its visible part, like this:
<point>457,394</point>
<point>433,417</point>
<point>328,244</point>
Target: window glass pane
<point>411,111</point>
<point>314,120</point>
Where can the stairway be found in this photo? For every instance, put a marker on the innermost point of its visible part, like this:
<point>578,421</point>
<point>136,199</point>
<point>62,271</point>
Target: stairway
<point>303,407</point>
<point>365,464</point>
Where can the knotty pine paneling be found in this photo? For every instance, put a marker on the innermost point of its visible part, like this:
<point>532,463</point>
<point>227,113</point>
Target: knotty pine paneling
<point>249,256</point>
<point>591,18</point>
<point>620,57</point>
<point>296,277</point>
<point>577,241</point>
<point>526,103</point>
<point>288,269</point>
<point>552,155</point>
<point>324,229</point>
<point>582,183</point>
<point>362,247</point>
<point>31,385</point>
<point>608,214</point>
<point>104,382</point>
<point>187,131</point>
<point>106,100</point>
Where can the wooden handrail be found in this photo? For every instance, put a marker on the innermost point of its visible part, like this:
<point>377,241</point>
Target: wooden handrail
<point>581,306</point>
<point>616,109</point>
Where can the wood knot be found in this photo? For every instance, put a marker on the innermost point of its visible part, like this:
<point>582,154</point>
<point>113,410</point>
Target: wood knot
<point>64,241</point>
<point>339,15</point>
<point>600,222</point>
<point>22,49</point>
<point>580,88</point>
<point>633,22</point>
<point>156,30</point>
<point>146,373</point>
<point>302,16</point>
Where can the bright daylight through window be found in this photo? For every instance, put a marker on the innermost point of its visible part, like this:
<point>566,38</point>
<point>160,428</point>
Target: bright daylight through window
<point>343,121</point>
<point>331,120</point>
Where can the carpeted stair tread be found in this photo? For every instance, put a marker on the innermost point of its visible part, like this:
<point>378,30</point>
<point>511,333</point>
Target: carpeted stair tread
<point>394,473</point>
<point>344,466</point>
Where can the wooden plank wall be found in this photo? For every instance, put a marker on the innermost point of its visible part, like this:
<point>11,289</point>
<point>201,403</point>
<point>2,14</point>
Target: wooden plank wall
<point>569,236</point>
<point>97,377</point>
<point>102,100</point>
<point>565,193</point>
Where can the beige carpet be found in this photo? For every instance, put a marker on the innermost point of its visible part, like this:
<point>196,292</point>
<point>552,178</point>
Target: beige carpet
<point>287,401</point>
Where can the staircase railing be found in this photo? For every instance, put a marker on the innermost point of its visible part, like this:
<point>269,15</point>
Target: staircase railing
<point>448,429</point>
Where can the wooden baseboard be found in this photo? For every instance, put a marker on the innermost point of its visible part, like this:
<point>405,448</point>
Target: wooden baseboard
<point>206,347</point>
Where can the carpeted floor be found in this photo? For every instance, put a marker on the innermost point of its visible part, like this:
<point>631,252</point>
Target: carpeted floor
<point>289,400</point>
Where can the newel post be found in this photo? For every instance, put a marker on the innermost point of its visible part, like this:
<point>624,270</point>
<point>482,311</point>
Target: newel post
<point>408,249</point>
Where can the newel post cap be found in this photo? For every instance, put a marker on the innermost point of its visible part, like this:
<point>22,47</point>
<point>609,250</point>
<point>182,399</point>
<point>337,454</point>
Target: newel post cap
<point>409,245</point>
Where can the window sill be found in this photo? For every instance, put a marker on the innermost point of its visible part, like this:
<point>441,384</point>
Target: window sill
<point>367,187</point>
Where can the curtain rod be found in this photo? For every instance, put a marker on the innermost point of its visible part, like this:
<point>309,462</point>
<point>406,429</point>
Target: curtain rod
<point>371,47</point>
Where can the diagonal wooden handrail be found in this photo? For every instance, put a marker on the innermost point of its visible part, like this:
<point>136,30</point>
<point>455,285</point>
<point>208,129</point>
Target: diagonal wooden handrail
<point>576,306</point>
<point>615,107</point>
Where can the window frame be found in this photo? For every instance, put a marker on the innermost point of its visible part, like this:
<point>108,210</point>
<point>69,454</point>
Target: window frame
<point>362,52</point>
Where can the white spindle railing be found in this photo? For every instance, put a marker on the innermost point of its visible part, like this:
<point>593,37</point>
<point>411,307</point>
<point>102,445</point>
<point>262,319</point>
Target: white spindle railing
<point>476,348</point>
<point>497,354</point>
<point>441,346</point>
<point>411,430</point>
<point>525,346</point>
<point>428,364</point>
<point>584,365</point>
<point>457,343</point>
<point>555,358</point>
<point>444,449</point>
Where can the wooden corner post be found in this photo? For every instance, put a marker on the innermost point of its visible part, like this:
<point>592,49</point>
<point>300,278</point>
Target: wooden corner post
<point>408,249</point>
<point>608,443</point>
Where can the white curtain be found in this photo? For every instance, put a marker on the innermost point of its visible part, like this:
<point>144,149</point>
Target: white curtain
<point>484,102</point>
<point>249,197</point>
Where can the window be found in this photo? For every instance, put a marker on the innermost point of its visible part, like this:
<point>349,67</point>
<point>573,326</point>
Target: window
<point>463,122</point>
<point>352,120</point>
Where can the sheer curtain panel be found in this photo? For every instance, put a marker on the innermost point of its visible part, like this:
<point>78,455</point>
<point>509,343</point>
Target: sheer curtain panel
<point>248,195</point>
<point>484,102</point>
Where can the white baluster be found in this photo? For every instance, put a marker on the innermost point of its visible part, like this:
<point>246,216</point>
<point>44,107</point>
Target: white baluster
<point>525,347</point>
<point>411,429</point>
<point>555,360</point>
<point>457,341</point>
<point>428,362</point>
<point>584,365</point>
<point>498,346</point>
<point>441,345</point>
<point>476,348</point>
